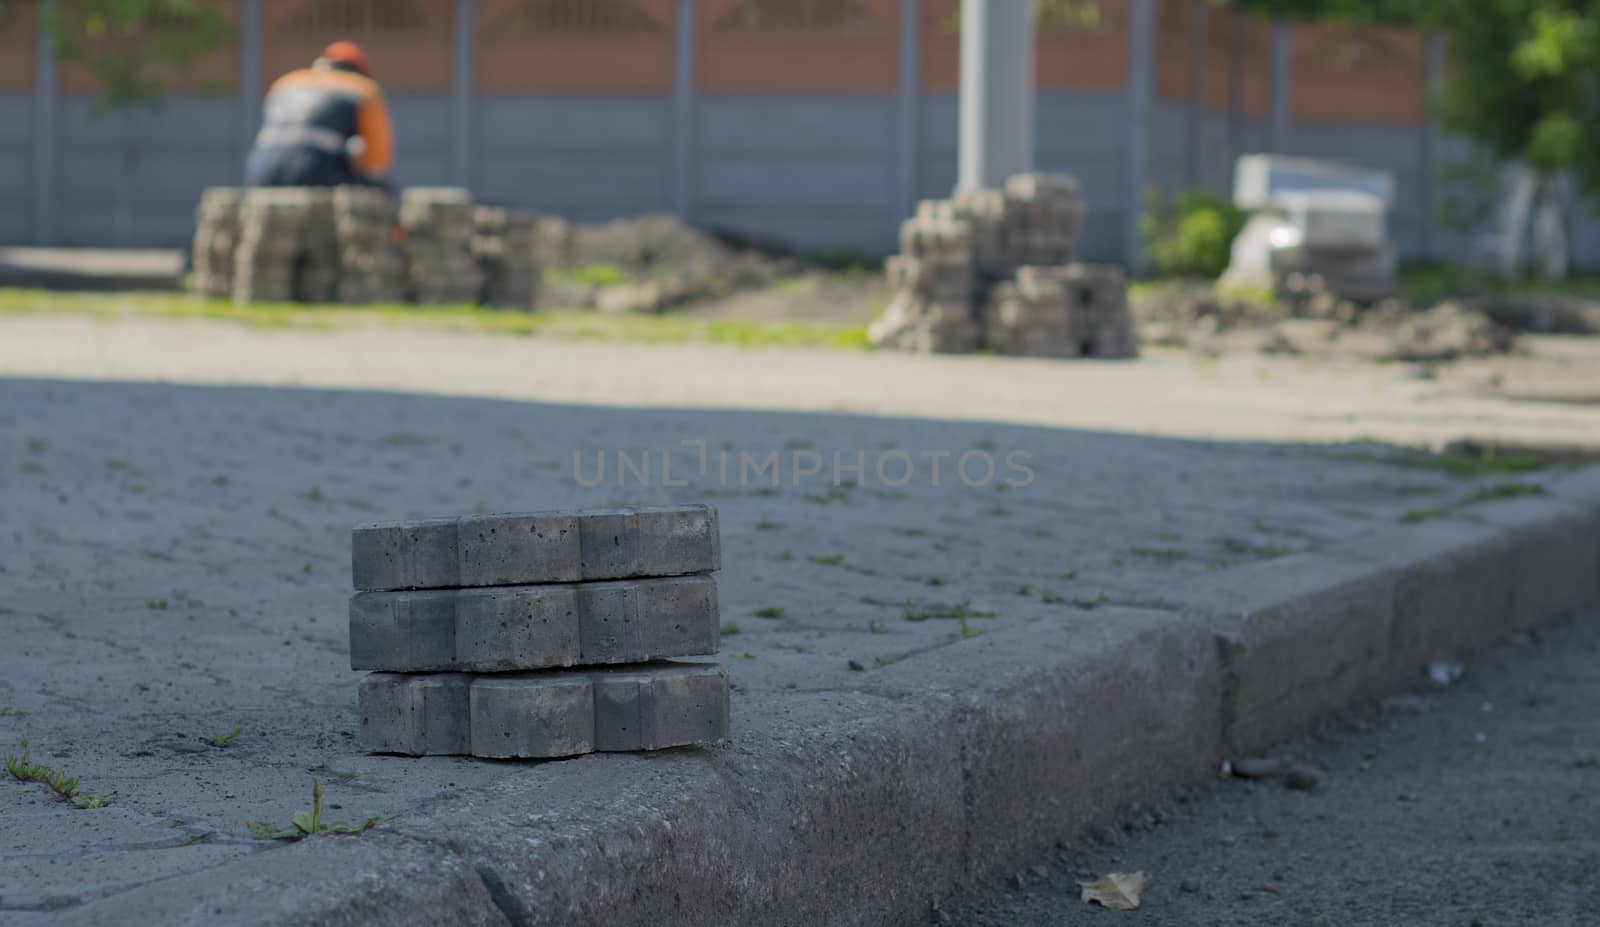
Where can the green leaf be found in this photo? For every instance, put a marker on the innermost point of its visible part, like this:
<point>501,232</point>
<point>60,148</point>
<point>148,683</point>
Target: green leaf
<point>306,821</point>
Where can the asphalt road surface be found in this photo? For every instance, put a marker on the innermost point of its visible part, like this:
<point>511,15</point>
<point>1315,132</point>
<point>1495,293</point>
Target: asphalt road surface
<point>1472,804</point>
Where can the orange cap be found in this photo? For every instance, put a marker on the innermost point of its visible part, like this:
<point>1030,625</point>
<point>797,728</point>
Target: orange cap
<point>349,53</point>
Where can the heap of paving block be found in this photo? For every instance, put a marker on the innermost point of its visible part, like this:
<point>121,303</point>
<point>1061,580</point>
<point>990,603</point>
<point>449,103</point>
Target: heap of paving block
<point>936,278</point>
<point>1075,310</point>
<point>504,243</point>
<point>979,270</point>
<point>216,235</point>
<point>542,635</point>
<point>438,224</point>
<point>287,247</point>
<point>372,266</point>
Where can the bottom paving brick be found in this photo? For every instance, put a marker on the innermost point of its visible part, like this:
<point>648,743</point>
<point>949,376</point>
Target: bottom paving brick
<point>649,706</point>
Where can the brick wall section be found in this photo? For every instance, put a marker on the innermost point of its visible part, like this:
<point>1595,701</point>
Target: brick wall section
<point>584,46</point>
<point>18,44</point>
<point>1090,56</point>
<point>417,57</point>
<point>1173,48</point>
<point>1256,69</point>
<point>743,50</point>
<point>1370,75</point>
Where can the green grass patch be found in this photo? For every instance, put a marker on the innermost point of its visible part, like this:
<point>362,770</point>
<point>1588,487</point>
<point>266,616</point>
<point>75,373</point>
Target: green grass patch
<point>558,324</point>
<point>589,274</point>
<point>728,629</point>
<point>1494,493</point>
<point>829,560</point>
<point>773,612</point>
<point>1486,461</point>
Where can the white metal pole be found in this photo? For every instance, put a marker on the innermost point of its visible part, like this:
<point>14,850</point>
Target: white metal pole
<point>996,91</point>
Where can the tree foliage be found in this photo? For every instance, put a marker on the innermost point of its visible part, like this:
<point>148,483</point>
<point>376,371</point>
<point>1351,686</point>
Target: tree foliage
<point>134,48</point>
<point>1523,76</point>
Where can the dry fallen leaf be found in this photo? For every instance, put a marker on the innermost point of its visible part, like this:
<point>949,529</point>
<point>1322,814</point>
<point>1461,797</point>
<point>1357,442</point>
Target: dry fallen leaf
<point>1120,890</point>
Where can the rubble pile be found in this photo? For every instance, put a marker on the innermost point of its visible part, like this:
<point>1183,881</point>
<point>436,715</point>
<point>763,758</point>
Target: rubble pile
<point>996,270</point>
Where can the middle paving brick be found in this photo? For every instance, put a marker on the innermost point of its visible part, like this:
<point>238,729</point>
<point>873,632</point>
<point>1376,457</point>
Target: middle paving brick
<point>513,628</point>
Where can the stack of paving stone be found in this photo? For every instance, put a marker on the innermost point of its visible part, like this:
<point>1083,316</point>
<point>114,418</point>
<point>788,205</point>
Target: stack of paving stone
<point>372,266</point>
<point>215,238</point>
<point>544,635</point>
<point>287,247</point>
<point>504,242</point>
<point>935,276</point>
<point>438,223</point>
<point>1060,311</point>
<point>994,269</point>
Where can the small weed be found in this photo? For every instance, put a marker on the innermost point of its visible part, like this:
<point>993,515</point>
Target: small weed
<point>32,467</point>
<point>999,511</point>
<point>481,508</point>
<point>1501,491</point>
<point>309,823</point>
<point>839,493</point>
<point>936,580</point>
<point>940,546</point>
<point>876,627</point>
<point>912,532</point>
<point>1091,603</point>
<point>987,444</point>
<point>1165,554</point>
<point>1253,551</point>
<point>767,524</point>
<point>156,605</point>
<point>113,464</point>
<point>1066,575</point>
<point>222,740</point>
<point>786,555</point>
<point>1051,598</point>
<point>38,445</point>
<point>23,769</point>
<point>161,555</point>
<point>769,611</point>
<point>728,629</point>
<point>314,494</point>
<point>799,444</point>
<point>1413,516</point>
<point>829,560</point>
<point>883,661</point>
<point>13,713</point>
<point>221,480</point>
<point>767,492</point>
<point>960,611</point>
<point>1002,487</point>
<point>1027,589</point>
<point>1043,534</point>
<point>967,631</point>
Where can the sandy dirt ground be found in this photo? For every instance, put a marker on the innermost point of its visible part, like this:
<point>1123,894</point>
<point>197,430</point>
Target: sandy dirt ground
<point>176,501</point>
<point>1472,805</point>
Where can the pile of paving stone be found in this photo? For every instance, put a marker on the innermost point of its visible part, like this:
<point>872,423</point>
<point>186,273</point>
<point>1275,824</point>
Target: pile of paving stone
<point>535,636</point>
<point>359,245</point>
<point>505,246</point>
<point>372,263</point>
<point>215,240</point>
<point>438,223</point>
<point>996,270</point>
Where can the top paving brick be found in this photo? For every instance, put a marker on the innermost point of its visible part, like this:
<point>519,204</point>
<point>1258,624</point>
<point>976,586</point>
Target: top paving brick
<point>542,547</point>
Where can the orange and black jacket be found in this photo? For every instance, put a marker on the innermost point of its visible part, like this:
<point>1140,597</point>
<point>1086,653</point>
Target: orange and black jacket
<point>321,110</point>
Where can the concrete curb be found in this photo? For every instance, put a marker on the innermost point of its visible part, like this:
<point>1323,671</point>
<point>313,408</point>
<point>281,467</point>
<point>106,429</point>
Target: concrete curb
<point>862,807</point>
